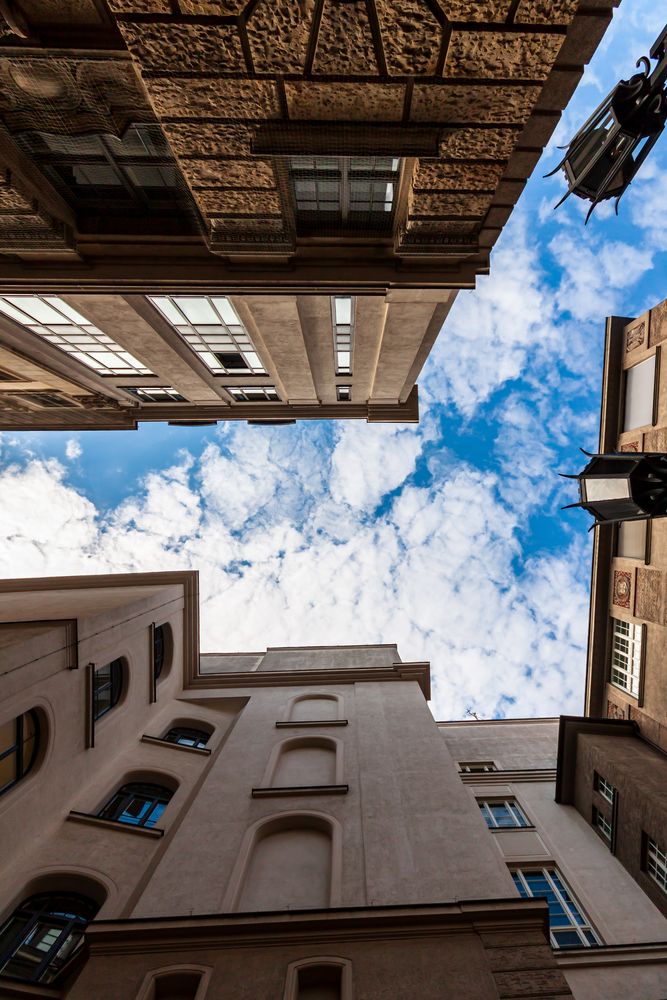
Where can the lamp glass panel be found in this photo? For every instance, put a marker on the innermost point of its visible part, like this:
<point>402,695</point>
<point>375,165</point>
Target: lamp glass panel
<point>607,489</point>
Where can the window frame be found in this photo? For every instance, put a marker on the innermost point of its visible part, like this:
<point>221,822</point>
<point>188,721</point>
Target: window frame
<point>187,729</point>
<point>341,174</point>
<point>603,826</point>
<point>153,794</point>
<point>513,810</point>
<point>41,913</point>
<point>604,788</point>
<point>655,862</point>
<point>477,767</point>
<point>635,638</point>
<point>656,358</point>
<point>115,684</point>
<point>340,337</point>
<point>22,768</point>
<point>578,921</point>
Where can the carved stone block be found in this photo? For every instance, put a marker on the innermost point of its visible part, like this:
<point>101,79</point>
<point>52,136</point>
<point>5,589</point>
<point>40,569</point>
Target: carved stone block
<point>345,41</point>
<point>475,10</point>
<point>140,6</point>
<point>229,173</point>
<point>345,101</point>
<point>209,139</point>
<point>433,175</point>
<point>499,55</point>
<point>648,595</point>
<point>220,7</point>
<point>191,48</point>
<point>214,98</point>
<point>658,324</point>
<point>279,35</point>
<point>473,103</point>
<point>615,711</point>
<point>546,11</point>
<point>411,37</point>
<point>232,201</point>
<point>655,440</point>
<point>635,336</point>
<point>449,203</point>
<point>482,144</point>
<point>436,227</point>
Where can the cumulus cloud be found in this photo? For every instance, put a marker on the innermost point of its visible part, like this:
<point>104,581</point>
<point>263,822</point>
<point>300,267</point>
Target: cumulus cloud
<point>73,449</point>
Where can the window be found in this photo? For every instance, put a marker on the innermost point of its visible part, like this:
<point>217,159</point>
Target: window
<point>656,863</point>
<point>340,192</point>
<point>42,933</point>
<point>626,656</point>
<point>502,813</point>
<point>253,393</point>
<point>602,824</point>
<point>155,394</point>
<point>107,686</point>
<point>343,393</point>
<point>567,924</point>
<point>53,320</point>
<point>476,766</point>
<point>138,804</point>
<point>159,649</point>
<point>602,786</point>
<point>631,540</point>
<point>342,310</point>
<point>187,737</point>
<point>210,325</point>
<point>19,743</point>
<point>639,389</point>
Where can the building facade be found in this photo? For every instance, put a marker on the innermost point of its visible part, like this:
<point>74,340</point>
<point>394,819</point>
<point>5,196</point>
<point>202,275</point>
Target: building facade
<point>614,763</point>
<point>288,824</point>
<point>278,824</point>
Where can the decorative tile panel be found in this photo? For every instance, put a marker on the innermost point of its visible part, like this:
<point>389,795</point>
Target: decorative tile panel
<point>630,446</point>
<point>615,711</point>
<point>648,595</point>
<point>622,588</point>
<point>635,336</point>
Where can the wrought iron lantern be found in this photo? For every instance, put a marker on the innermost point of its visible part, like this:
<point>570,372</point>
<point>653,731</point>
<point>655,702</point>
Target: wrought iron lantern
<point>630,486</point>
<point>608,150</point>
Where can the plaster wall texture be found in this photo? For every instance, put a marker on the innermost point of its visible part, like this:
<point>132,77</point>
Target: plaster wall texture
<point>408,833</point>
<point>313,657</point>
<point>618,982</point>
<point>510,745</point>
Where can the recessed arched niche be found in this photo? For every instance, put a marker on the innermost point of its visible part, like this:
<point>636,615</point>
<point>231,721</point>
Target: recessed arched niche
<point>175,982</point>
<point>315,708</point>
<point>306,761</point>
<point>288,862</point>
<point>324,978</point>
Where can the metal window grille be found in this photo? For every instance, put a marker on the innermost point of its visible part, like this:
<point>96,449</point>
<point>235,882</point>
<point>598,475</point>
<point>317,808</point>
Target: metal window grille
<point>56,322</point>
<point>476,766</point>
<point>502,813</point>
<point>42,933</point>
<point>343,192</point>
<point>155,393</point>
<point>601,822</point>
<point>186,737</point>
<point>211,327</point>
<point>253,393</point>
<point>19,743</point>
<point>343,317</point>
<point>137,804</point>
<point>626,656</point>
<point>568,926</point>
<point>656,864</point>
<point>604,788</point>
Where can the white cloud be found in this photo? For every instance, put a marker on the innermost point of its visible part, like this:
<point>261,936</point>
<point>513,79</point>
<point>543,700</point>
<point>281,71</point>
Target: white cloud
<point>73,449</point>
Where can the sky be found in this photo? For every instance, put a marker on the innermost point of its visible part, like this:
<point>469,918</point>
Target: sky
<point>446,538</point>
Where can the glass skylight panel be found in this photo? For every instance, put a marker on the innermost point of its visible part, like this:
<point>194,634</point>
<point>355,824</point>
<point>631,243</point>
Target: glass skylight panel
<point>56,322</point>
<point>253,393</point>
<point>155,393</point>
<point>210,325</point>
<point>342,308</point>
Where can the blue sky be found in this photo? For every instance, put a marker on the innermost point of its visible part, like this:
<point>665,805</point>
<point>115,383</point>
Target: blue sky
<point>446,538</point>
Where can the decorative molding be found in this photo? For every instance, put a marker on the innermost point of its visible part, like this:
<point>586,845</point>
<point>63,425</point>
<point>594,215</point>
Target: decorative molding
<point>115,824</point>
<point>285,791</point>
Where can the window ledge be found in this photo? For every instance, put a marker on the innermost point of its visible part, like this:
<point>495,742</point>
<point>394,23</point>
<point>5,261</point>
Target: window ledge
<point>263,793</point>
<point>115,824</point>
<point>511,829</point>
<point>315,722</point>
<point>202,751</point>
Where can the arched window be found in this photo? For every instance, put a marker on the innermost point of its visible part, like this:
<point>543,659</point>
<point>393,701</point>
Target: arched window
<point>19,744</point>
<point>138,804</point>
<point>107,687</point>
<point>326,978</point>
<point>177,985</point>
<point>42,933</point>
<point>159,649</point>
<point>315,708</point>
<point>187,737</point>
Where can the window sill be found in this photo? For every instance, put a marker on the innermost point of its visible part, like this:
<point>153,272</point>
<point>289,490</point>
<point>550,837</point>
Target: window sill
<point>510,829</point>
<point>202,751</point>
<point>315,722</point>
<point>285,790</point>
<point>114,824</point>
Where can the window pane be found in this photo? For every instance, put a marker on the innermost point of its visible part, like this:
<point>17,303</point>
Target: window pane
<point>632,539</point>
<point>8,769</point>
<point>197,310</point>
<point>639,385</point>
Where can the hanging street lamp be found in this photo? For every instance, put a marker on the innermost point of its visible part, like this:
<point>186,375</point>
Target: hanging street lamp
<point>627,486</point>
<point>608,150</point>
